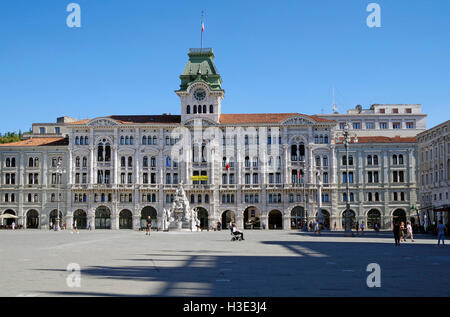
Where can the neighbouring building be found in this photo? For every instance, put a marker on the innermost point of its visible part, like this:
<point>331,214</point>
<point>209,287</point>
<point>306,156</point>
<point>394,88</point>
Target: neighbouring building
<point>434,173</point>
<point>261,170</point>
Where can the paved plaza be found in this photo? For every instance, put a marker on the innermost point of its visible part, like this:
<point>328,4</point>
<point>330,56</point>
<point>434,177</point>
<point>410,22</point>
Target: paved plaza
<point>267,263</point>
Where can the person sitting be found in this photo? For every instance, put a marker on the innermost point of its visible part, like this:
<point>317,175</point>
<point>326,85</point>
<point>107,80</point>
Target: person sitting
<point>236,232</point>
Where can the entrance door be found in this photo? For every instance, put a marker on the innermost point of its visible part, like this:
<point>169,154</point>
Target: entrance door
<point>102,218</point>
<point>125,219</point>
<point>275,220</point>
<point>32,219</point>
<point>202,215</point>
<point>297,217</point>
<point>81,218</point>
<point>227,217</point>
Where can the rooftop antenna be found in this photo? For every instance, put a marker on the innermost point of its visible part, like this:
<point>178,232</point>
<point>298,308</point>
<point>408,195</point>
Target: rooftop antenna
<point>334,102</point>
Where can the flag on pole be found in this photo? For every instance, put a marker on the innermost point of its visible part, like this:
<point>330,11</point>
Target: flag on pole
<point>299,176</point>
<point>227,165</point>
<point>203,26</point>
<point>168,161</point>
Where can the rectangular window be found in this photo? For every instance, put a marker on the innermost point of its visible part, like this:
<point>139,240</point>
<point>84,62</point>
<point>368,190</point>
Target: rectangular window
<point>42,130</point>
<point>370,125</point>
<point>396,125</point>
<point>383,125</point>
<point>410,125</point>
<point>57,130</point>
<point>356,125</point>
<point>395,110</point>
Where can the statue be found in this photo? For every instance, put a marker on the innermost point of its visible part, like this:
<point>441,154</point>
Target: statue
<point>180,208</point>
<point>166,220</point>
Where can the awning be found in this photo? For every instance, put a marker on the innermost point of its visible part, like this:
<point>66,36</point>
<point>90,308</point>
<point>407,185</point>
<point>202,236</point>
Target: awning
<point>8,216</point>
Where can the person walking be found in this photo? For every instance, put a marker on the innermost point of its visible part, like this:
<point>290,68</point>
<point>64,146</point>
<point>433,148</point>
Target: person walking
<point>197,224</point>
<point>148,226</point>
<point>441,232</point>
<point>362,228</point>
<point>335,226</point>
<point>13,225</point>
<point>74,227</point>
<point>316,228</point>
<point>402,231</point>
<point>409,231</point>
<point>396,231</point>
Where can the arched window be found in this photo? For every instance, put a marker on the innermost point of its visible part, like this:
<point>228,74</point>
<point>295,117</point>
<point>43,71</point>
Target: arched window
<point>13,162</point>
<point>8,162</point>
<point>192,196</point>
<point>325,139</point>
<point>77,140</point>
<point>144,140</point>
<point>400,159</point>
<point>122,140</point>
<point>211,109</point>
<point>344,197</point>
<point>84,161</point>
<point>199,198</point>
<point>204,108</point>
<point>195,109</point>
<point>30,162</point>
<point>394,159</point>
<point>375,160</point>
<point>153,198</point>
<point>325,161</point>
<point>199,109</point>
<point>77,161</point>
<point>122,161</point>
<point>247,161</point>
<point>188,109</point>
<point>207,198</point>
<point>81,140</point>
<point>127,140</point>
<point>86,140</point>
<point>130,161</point>
<point>351,197</point>
<point>107,152</point>
<point>369,160</point>
<point>145,161</point>
<point>131,140</point>
<point>321,139</point>
<point>316,139</point>
<point>344,160</point>
<point>317,160</point>
<point>155,140</point>
<point>350,160</point>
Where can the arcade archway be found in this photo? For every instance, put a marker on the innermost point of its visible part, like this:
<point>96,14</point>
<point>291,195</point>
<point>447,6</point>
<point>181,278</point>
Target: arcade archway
<point>125,219</point>
<point>9,221</point>
<point>399,216</point>
<point>373,217</point>
<point>227,217</point>
<point>80,217</point>
<point>32,219</point>
<point>297,217</point>
<point>145,213</point>
<point>352,218</point>
<point>102,218</point>
<point>275,220</point>
<point>252,218</point>
<point>202,215</point>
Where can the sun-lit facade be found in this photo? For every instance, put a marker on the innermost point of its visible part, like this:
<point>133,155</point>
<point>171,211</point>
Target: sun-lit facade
<point>261,170</point>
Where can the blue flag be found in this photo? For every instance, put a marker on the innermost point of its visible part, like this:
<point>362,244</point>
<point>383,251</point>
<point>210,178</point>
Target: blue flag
<point>168,161</point>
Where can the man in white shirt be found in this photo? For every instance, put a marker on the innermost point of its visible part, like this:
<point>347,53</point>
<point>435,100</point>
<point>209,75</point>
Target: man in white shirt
<point>237,232</point>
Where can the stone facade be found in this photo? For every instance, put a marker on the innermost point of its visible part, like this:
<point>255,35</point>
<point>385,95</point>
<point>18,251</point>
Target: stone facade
<point>434,172</point>
<point>261,170</point>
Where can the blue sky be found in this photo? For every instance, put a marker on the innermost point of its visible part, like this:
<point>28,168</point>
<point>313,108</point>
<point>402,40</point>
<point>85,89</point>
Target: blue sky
<point>274,56</point>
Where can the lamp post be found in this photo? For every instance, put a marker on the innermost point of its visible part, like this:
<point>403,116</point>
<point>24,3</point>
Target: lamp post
<point>59,172</point>
<point>347,140</point>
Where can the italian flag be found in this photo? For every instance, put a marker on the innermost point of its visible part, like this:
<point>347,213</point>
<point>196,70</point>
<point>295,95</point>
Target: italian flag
<point>227,166</point>
<point>203,26</point>
<point>299,176</point>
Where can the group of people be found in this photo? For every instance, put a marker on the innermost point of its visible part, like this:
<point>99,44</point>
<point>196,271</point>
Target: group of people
<point>402,233</point>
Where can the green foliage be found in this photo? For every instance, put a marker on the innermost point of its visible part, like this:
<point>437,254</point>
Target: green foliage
<point>10,137</point>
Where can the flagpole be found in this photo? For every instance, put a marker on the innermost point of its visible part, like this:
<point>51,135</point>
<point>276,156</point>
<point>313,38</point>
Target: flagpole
<point>201,34</point>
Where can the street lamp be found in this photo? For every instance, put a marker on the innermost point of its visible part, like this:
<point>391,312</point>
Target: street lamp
<point>347,140</point>
<point>59,172</point>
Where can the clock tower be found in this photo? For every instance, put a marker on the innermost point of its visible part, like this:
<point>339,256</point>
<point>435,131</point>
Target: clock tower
<point>200,90</point>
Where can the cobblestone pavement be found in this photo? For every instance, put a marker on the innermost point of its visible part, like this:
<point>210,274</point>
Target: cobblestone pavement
<point>267,263</point>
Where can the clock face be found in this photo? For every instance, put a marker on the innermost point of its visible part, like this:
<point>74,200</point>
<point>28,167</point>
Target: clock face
<point>199,94</point>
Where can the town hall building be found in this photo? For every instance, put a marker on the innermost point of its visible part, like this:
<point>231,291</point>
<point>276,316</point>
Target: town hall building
<point>262,170</point>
